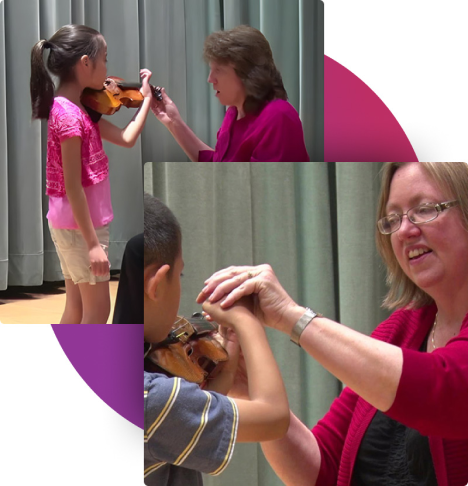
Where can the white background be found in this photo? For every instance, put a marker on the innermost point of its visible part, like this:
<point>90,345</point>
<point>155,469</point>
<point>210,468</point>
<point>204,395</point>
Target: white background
<point>53,429</point>
<point>413,55</point>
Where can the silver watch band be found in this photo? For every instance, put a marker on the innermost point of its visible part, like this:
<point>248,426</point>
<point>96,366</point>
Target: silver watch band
<point>301,324</point>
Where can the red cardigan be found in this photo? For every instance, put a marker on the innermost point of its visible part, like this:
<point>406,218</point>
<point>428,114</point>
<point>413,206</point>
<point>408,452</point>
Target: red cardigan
<point>432,397</point>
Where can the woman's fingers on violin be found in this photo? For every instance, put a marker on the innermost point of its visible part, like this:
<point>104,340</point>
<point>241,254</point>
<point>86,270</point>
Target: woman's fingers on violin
<point>244,290</point>
<point>224,281</point>
<point>218,277</point>
<point>229,272</point>
<point>165,96</point>
<point>230,291</point>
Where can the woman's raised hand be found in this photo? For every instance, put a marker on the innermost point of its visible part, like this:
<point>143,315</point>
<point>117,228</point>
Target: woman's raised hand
<point>233,283</point>
<point>165,111</point>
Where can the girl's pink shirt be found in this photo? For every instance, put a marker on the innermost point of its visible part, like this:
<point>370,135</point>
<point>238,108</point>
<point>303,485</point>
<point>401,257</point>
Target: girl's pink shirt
<point>67,120</point>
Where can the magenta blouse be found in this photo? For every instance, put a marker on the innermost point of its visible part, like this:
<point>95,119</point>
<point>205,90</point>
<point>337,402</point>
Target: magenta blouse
<point>272,135</point>
<point>67,120</point>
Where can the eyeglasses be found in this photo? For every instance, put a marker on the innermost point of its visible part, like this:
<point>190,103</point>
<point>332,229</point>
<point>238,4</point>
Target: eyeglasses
<point>418,215</point>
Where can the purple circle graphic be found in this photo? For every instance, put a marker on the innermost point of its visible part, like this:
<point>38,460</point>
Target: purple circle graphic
<point>358,125</point>
<point>110,361</point>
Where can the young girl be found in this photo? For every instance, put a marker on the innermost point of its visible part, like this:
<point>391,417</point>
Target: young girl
<point>80,207</point>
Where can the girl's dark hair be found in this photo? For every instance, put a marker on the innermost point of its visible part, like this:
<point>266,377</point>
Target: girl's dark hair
<point>250,54</point>
<point>163,237</point>
<point>67,46</point>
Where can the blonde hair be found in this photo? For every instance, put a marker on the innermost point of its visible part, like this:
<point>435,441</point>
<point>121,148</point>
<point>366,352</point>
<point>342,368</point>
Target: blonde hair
<point>452,179</point>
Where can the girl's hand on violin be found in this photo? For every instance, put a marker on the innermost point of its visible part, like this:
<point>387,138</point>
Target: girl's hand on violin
<point>166,110</point>
<point>99,261</point>
<point>145,89</point>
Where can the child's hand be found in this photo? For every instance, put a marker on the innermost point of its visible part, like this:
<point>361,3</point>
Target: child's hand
<point>145,89</point>
<point>99,261</point>
<point>232,317</point>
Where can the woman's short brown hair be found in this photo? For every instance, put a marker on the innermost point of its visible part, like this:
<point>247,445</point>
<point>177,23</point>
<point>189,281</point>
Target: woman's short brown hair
<point>247,49</point>
<point>452,179</point>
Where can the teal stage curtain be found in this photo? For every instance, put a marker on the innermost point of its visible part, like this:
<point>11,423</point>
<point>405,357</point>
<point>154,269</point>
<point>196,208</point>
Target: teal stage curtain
<point>174,32</point>
<point>314,223</point>
<point>167,37</point>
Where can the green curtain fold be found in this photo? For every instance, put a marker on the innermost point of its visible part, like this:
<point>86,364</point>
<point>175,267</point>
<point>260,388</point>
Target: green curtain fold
<point>3,159</point>
<point>174,34</point>
<point>314,223</point>
<point>167,37</point>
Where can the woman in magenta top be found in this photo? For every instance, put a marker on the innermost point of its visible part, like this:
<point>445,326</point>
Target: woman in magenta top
<point>402,419</point>
<point>260,125</point>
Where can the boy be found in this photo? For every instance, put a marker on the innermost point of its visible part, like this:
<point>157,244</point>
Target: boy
<point>189,430</point>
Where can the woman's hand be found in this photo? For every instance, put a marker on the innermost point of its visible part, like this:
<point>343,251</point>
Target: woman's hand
<point>145,89</point>
<point>99,261</point>
<point>165,111</point>
<point>272,302</point>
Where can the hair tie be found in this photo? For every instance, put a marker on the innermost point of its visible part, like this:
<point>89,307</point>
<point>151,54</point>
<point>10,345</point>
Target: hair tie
<point>47,45</point>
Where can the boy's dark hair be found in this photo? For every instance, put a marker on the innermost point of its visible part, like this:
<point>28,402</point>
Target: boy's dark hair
<point>163,237</point>
<point>247,49</point>
<point>67,46</point>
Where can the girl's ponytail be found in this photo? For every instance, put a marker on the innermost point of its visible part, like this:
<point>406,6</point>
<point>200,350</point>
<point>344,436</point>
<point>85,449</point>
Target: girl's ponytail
<point>41,84</point>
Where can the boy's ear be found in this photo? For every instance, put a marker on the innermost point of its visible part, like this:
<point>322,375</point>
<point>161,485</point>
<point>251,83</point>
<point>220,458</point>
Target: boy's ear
<point>155,280</point>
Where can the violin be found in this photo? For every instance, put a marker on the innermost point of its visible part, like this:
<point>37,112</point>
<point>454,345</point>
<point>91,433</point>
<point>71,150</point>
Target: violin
<point>190,351</point>
<point>115,93</point>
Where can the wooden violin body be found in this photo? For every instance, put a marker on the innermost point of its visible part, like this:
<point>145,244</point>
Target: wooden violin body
<point>190,351</point>
<point>113,95</point>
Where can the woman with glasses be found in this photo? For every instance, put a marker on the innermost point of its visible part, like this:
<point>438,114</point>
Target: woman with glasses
<point>403,417</point>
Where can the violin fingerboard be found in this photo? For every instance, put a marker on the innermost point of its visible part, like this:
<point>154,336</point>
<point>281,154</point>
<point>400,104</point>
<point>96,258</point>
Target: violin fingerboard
<point>202,326</point>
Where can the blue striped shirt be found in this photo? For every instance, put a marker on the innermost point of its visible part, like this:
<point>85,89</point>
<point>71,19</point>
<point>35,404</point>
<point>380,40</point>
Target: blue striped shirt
<point>187,431</point>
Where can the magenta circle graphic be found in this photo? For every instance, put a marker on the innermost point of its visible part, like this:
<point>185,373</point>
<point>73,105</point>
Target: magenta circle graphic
<point>358,128</point>
<point>358,125</point>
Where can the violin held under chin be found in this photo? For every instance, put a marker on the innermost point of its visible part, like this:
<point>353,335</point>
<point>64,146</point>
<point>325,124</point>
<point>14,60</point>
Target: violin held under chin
<point>115,93</point>
<point>190,351</point>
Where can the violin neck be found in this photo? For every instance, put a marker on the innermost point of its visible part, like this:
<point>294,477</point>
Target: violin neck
<point>156,90</point>
<point>202,326</point>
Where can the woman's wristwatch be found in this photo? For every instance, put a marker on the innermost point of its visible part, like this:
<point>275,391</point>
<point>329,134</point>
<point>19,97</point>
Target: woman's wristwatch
<point>308,316</point>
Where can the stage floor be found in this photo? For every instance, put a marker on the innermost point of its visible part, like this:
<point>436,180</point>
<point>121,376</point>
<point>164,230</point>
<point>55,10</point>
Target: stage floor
<point>40,305</point>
